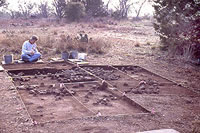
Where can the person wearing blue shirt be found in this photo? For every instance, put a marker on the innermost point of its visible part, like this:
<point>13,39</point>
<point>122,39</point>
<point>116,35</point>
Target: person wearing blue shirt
<point>29,50</point>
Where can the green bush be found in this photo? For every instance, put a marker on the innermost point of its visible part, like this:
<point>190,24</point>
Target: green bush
<point>74,11</point>
<point>178,25</point>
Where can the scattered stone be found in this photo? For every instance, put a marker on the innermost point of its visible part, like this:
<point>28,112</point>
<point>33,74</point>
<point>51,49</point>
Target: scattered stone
<point>142,83</point>
<point>58,98</point>
<point>49,74</point>
<point>125,84</point>
<point>42,84</point>
<point>81,85</point>
<point>88,94</point>
<point>103,86</point>
<point>56,92</point>
<point>32,92</point>
<point>29,87</point>
<point>86,100</point>
<point>15,79</point>
<point>36,76</point>
<point>180,85</point>
<point>103,101</point>
<point>21,88</point>
<point>59,79</point>
<point>75,86</point>
<point>52,86</point>
<point>20,74</point>
<point>112,97</point>
<point>12,88</point>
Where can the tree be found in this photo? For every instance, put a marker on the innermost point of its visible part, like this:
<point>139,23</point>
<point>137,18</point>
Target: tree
<point>138,10</point>
<point>122,9</point>
<point>26,8</point>
<point>94,8</point>
<point>2,3</point>
<point>59,6</point>
<point>178,25</point>
<point>74,11</point>
<point>44,9</point>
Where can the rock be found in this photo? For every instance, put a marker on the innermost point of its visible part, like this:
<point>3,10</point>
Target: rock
<point>125,84</point>
<point>20,74</point>
<point>12,88</point>
<point>42,84</point>
<point>49,74</point>
<point>32,92</point>
<point>180,85</point>
<point>44,92</point>
<point>56,92</point>
<point>21,88</point>
<point>142,83</point>
<point>88,94</point>
<point>40,107</point>
<point>36,76</point>
<point>58,98</point>
<point>103,86</point>
<point>29,87</point>
<point>81,85</point>
<point>76,86</point>
<point>15,79</point>
<point>52,86</point>
<point>142,87</point>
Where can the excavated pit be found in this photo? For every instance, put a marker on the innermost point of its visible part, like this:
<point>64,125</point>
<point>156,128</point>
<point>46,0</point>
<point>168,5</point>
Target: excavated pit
<point>63,91</point>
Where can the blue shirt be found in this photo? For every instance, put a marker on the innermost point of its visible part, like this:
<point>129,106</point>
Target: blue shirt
<point>28,47</point>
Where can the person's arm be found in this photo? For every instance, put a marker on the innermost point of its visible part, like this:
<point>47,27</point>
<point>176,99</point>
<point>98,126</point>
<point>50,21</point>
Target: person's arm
<point>24,49</point>
<point>35,48</point>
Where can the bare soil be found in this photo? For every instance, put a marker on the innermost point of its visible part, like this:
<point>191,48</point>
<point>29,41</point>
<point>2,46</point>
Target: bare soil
<point>151,102</point>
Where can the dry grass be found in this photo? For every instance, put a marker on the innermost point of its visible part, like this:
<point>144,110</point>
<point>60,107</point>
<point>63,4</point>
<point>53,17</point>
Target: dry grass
<point>49,44</point>
<point>67,43</point>
<point>99,25</point>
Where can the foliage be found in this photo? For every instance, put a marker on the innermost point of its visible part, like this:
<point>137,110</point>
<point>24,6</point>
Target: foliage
<point>2,3</point>
<point>122,9</point>
<point>178,24</point>
<point>60,6</point>
<point>25,9</point>
<point>74,11</point>
<point>96,8</point>
<point>44,9</point>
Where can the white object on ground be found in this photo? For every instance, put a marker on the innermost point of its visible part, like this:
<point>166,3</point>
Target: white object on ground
<point>161,131</point>
<point>1,69</point>
<point>82,56</point>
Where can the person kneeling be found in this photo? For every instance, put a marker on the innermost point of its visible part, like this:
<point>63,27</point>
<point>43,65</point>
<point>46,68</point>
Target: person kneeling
<point>29,50</point>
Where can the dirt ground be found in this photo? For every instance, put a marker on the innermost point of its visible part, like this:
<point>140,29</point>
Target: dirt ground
<point>133,43</point>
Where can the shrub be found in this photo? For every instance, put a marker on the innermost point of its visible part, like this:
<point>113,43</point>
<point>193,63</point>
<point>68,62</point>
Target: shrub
<point>74,11</point>
<point>95,8</point>
<point>178,25</point>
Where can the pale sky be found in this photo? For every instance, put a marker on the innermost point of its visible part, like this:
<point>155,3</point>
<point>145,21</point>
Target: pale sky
<point>147,8</point>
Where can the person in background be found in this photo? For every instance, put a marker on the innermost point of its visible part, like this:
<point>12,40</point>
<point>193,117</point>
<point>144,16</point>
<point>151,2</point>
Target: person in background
<point>29,50</point>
